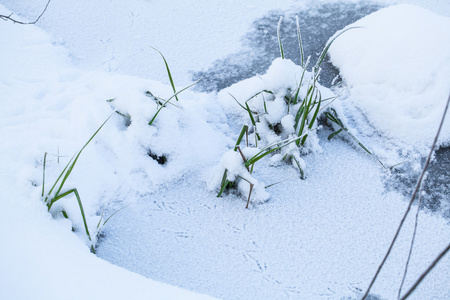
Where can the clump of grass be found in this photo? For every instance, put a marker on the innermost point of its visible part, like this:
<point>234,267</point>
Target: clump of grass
<point>57,191</point>
<point>225,182</point>
<point>292,134</point>
<point>304,102</point>
<point>159,102</point>
<point>249,163</point>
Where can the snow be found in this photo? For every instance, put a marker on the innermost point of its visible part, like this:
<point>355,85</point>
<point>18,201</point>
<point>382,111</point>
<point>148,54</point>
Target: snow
<point>322,237</point>
<point>46,102</point>
<point>125,30</point>
<point>397,71</point>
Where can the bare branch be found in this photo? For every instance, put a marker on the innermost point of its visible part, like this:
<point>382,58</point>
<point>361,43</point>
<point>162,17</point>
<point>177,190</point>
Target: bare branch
<point>410,203</point>
<point>430,267</point>
<point>412,241</point>
<point>8,18</point>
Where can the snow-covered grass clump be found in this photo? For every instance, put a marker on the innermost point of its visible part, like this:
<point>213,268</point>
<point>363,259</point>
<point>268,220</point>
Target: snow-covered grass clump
<point>282,111</point>
<point>272,107</point>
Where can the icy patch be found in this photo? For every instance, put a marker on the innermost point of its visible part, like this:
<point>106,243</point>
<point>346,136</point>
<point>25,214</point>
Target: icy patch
<point>318,21</point>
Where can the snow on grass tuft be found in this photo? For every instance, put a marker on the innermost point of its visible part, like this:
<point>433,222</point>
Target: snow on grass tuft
<point>284,107</point>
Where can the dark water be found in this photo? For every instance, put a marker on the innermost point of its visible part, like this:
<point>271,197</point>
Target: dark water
<point>318,23</point>
<point>260,46</point>
<point>438,183</point>
<point>436,187</point>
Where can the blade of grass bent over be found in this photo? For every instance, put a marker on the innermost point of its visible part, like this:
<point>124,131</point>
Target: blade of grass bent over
<point>224,183</point>
<point>106,221</point>
<point>327,47</point>
<point>79,204</point>
<point>300,43</point>
<point>279,37</point>
<point>72,165</point>
<point>267,149</point>
<point>241,135</point>
<point>335,119</point>
<point>168,100</point>
<point>43,175</point>
<point>168,71</point>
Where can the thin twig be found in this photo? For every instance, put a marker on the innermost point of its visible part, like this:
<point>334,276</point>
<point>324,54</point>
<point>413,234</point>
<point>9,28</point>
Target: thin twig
<point>430,267</point>
<point>246,137</point>
<point>8,18</point>
<point>243,157</point>
<point>412,242</point>
<point>412,199</point>
<point>249,194</point>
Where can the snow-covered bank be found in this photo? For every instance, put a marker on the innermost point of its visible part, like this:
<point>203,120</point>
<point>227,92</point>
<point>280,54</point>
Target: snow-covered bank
<point>396,66</point>
<point>42,259</point>
<point>46,105</point>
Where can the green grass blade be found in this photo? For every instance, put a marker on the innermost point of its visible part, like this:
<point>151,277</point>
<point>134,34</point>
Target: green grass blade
<point>300,43</point>
<point>339,122</point>
<point>250,114</point>
<point>56,182</point>
<point>264,102</point>
<point>327,47</point>
<point>334,134</point>
<point>304,118</point>
<point>267,150</point>
<point>298,90</point>
<point>303,140</point>
<point>158,100</point>
<point>237,102</point>
<point>100,221</point>
<point>106,221</point>
<point>302,173</point>
<point>72,165</point>
<point>168,101</point>
<point>157,112</point>
<point>43,175</point>
<point>241,135</point>
<point>298,115</point>
<point>275,183</point>
<point>80,206</point>
<point>257,137</point>
<point>123,115</point>
<point>255,158</point>
<point>258,93</point>
<point>224,183</point>
<point>279,37</point>
<point>182,90</point>
<point>168,72</point>
<point>316,112</point>
<point>333,117</point>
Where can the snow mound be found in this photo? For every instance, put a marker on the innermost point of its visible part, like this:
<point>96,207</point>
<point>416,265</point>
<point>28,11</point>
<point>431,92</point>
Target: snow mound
<point>46,104</point>
<point>396,66</point>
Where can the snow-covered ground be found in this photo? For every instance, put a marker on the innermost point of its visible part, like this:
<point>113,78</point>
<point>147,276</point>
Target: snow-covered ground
<point>318,238</point>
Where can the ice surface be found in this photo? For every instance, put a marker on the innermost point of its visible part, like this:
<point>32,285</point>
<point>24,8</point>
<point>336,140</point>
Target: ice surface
<point>314,239</point>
